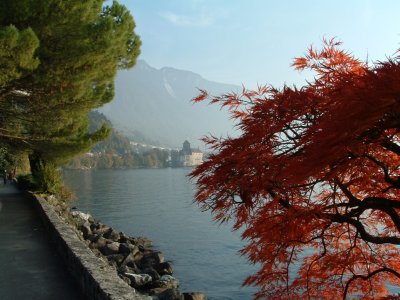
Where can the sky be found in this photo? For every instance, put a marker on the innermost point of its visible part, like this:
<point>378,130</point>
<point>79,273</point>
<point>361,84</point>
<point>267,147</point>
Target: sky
<point>251,42</point>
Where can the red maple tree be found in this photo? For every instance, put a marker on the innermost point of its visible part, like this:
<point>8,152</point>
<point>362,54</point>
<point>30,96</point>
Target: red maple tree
<point>313,178</point>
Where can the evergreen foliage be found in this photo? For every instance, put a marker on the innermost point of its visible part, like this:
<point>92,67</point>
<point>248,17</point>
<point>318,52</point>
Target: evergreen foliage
<point>59,59</point>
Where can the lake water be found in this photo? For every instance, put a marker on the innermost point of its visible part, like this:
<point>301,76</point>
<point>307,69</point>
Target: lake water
<point>158,204</point>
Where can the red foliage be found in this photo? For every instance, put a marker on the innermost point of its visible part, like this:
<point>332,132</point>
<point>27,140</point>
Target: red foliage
<point>314,178</point>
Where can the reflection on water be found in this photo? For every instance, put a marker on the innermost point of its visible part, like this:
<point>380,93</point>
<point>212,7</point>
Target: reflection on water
<point>157,203</point>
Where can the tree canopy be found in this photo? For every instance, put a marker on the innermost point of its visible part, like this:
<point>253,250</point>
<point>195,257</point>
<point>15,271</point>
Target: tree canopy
<point>58,60</point>
<point>314,178</point>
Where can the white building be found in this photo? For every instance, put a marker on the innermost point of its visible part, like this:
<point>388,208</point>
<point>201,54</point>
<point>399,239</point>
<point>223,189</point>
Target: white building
<point>187,157</point>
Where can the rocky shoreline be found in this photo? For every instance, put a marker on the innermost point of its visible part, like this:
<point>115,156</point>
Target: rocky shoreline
<point>133,258</point>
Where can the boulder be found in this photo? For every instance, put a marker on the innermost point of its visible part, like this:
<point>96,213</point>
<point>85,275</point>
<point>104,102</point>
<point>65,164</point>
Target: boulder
<point>123,238</point>
<point>118,258</point>
<point>166,281</point>
<point>143,242</point>
<point>112,235</point>
<point>80,215</point>
<point>126,269</point>
<point>93,237</point>
<point>109,249</point>
<point>151,259</point>
<point>138,257</point>
<point>152,272</point>
<point>164,268</point>
<point>133,248</point>
<point>126,279</point>
<point>138,280</point>
<point>168,294</point>
<point>94,226</point>
<point>124,249</point>
<point>98,243</point>
<point>101,228</point>
<point>194,296</point>
<point>86,231</point>
<point>128,260</point>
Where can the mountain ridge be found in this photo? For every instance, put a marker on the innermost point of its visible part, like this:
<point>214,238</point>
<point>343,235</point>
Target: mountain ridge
<point>157,103</point>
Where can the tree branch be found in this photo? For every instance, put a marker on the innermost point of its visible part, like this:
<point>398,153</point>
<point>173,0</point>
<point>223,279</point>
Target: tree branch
<point>338,218</point>
<point>366,277</point>
<point>388,179</point>
<point>389,145</point>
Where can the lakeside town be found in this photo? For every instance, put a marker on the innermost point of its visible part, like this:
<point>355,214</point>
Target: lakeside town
<point>139,157</point>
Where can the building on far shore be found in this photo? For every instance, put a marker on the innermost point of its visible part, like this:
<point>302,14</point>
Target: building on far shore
<point>187,157</point>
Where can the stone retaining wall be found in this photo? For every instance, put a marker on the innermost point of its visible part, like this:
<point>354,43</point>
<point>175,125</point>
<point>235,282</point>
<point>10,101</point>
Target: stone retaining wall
<point>95,277</point>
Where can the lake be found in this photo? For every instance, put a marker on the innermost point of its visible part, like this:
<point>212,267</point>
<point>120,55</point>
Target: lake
<point>158,204</point>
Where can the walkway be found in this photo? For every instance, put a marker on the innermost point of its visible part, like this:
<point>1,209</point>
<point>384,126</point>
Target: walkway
<point>29,266</point>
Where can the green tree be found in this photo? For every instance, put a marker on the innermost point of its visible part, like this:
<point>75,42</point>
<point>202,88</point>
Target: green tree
<point>62,57</point>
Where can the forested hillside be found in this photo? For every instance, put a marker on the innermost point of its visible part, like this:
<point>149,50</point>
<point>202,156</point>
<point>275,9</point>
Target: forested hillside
<point>116,152</point>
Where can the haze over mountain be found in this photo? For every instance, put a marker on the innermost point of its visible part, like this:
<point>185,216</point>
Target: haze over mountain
<point>157,104</point>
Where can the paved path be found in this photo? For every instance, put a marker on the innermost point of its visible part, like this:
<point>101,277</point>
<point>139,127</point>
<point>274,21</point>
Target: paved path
<point>29,267</point>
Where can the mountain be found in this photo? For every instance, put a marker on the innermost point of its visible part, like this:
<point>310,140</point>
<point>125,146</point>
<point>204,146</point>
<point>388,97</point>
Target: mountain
<point>156,103</point>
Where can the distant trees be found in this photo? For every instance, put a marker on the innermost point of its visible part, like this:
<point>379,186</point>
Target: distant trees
<point>59,59</point>
<point>116,152</point>
<point>314,178</point>
<point>154,158</point>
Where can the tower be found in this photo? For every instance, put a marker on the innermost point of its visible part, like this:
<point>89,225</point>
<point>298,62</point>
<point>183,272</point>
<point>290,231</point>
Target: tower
<point>186,148</point>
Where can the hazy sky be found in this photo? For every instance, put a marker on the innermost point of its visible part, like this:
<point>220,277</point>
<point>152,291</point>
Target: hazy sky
<point>254,41</point>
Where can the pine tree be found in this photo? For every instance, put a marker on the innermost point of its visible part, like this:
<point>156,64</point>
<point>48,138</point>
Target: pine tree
<point>67,58</point>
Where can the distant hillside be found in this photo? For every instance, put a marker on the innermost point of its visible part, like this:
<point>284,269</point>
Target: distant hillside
<point>117,152</point>
<point>157,104</point>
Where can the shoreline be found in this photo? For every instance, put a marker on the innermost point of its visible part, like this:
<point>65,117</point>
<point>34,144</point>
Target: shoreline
<point>129,268</point>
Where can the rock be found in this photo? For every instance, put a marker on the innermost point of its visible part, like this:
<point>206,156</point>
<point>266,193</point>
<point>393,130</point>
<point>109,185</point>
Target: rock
<point>169,294</point>
<point>85,228</point>
<point>133,249</point>
<point>194,296</point>
<point>109,249</point>
<point>112,235</point>
<point>126,269</point>
<point>138,257</point>
<point>164,268</point>
<point>101,228</point>
<point>100,243</point>
<point>129,261</point>
<point>132,240</point>
<point>80,215</point>
<point>152,272</point>
<point>145,243</point>
<point>123,238</point>
<point>126,279</point>
<point>124,248</point>
<point>118,258</point>
<point>94,226</point>
<point>151,259</point>
<point>93,237</point>
<point>138,280</point>
<point>166,281</point>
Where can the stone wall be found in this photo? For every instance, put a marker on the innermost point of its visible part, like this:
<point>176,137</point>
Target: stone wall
<point>96,278</point>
